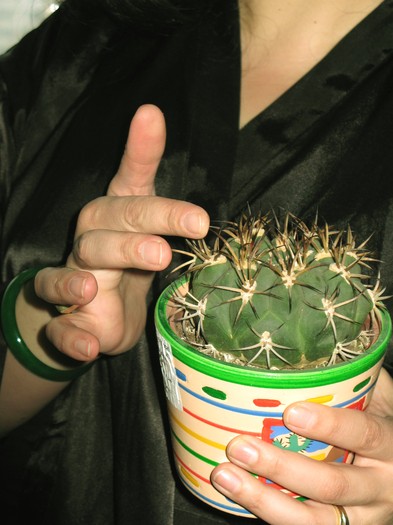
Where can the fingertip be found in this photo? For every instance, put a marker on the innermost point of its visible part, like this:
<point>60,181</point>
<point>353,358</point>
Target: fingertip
<point>300,416</point>
<point>196,223</point>
<point>83,286</point>
<point>72,341</point>
<point>244,450</point>
<point>148,123</point>
<point>155,254</point>
<point>65,285</point>
<point>226,480</point>
<point>148,112</point>
<point>144,148</point>
<point>85,349</point>
<point>205,223</point>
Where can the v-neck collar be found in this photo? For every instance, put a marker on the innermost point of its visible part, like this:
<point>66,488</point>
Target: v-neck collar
<point>368,38</point>
<point>314,96</point>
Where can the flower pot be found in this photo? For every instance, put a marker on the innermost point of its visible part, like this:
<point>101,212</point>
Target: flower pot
<point>210,402</point>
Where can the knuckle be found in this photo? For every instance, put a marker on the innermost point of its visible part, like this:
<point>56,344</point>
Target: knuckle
<point>57,336</point>
<point>125,251</point>
<point>82,250</point>
<point>89,214</point>
<point>49,285</point>
<point>39,283</point>
<point>58,287</point>
<point>313,519</point>
<point>335,487</point>
<point>135,213</point>
<point>255,501</point>
<point>62,343</point>
<point>331,427</point>
<point>372,436</point>
<point>273,464</point>
<point>173,217</point>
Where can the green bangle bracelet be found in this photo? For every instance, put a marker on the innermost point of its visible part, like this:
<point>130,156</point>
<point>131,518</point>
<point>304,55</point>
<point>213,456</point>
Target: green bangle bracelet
<point>18,347</point>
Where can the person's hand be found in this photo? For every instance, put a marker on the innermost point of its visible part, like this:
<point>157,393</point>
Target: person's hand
<point>118,247</point>
<point>364,489</point>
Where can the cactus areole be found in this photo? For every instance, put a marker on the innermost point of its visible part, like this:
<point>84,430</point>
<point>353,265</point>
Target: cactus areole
<point>279,295</point>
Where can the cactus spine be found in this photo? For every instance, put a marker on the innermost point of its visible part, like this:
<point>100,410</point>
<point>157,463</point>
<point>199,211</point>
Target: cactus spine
<point>279,295</point>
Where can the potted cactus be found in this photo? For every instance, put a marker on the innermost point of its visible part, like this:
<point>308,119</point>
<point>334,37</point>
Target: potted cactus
<point>271,313</point>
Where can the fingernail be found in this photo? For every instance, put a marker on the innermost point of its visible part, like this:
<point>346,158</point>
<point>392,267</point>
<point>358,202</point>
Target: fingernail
<point>77,286</point>
<point>227,480</point>
<point>83,347</point>
<point>192,222</point>
<point>243,452</point>
<point>299,416</point>
<point>151,252</point>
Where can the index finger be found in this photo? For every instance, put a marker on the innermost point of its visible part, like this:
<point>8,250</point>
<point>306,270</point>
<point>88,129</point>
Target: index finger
<point>142,155</point>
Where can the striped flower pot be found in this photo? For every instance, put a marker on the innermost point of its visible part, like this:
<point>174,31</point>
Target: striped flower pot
<point>210,402</point>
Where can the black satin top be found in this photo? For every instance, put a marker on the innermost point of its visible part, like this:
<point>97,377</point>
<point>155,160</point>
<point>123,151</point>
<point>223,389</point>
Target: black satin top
<point>100,454</point>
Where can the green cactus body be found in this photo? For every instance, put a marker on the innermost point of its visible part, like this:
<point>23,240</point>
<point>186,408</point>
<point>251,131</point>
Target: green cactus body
<point>277,299</point>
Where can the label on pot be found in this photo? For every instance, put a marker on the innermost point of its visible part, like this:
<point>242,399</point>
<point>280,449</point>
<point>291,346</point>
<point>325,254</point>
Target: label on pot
<point>169,372</point>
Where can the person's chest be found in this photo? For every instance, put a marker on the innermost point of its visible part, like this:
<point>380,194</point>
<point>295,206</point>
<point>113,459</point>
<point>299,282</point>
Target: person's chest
<point>279,47</point>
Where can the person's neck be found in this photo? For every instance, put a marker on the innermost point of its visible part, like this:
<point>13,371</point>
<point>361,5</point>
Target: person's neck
<point>283,39</point>
<point>284,14</point>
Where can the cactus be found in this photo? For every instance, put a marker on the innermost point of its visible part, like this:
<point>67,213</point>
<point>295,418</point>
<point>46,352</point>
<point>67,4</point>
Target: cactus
<point>279,294</point>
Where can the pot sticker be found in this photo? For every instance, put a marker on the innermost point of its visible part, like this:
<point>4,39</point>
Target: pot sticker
<point>169,372</point>
<point>274,431</point>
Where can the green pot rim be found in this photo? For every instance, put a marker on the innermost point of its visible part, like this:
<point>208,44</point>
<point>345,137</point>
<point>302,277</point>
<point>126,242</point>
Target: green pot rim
<point>267,378</point>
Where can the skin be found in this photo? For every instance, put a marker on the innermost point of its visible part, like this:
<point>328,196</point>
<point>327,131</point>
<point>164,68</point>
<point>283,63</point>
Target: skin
<point>284,39</point>
<point>281,42</point>
<point>364,488</point>
<point>107,284</point>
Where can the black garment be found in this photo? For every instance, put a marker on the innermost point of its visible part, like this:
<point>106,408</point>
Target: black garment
<point>100,454</point>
